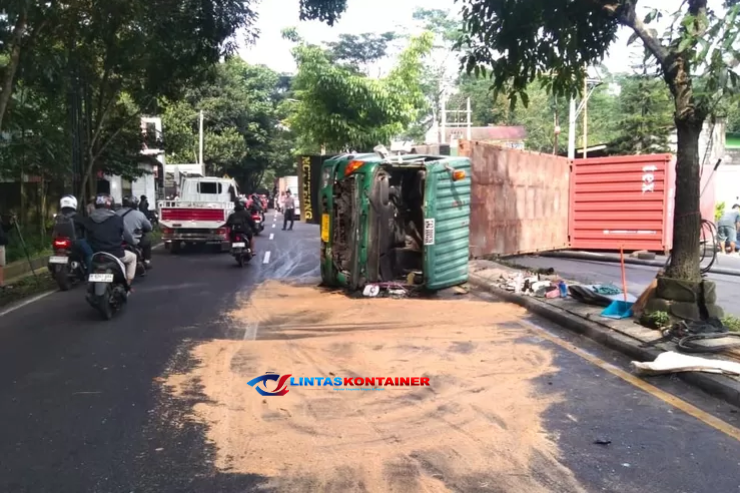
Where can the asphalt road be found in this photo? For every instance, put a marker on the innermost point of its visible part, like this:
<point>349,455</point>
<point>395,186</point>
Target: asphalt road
<point>86,406</point>
<point>638,276</point>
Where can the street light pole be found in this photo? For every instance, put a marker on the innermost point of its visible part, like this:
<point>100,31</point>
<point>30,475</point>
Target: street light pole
<point>200,145</point>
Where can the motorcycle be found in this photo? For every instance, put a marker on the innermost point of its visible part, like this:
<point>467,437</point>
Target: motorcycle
<point>140,265</point>
<point>240,249</point>
<point>65,266</point>
<point>259,222</point>
<point>107,288</point>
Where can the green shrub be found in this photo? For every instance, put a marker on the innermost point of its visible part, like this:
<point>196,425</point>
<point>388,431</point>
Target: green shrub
<point>655,320</point>
<point>731,322</point>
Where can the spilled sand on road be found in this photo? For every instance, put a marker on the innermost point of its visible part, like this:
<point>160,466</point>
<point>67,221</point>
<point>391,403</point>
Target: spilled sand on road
<point>478,427</point>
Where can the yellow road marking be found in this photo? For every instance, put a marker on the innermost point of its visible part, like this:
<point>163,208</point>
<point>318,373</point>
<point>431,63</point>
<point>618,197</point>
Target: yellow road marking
<point>674,401</point>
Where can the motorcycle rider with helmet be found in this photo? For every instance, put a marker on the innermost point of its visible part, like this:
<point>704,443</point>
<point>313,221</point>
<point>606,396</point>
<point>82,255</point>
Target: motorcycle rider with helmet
<point>106,233</point>
<point>240,221</point>
<point>138,225</point>
<point>68,210</point>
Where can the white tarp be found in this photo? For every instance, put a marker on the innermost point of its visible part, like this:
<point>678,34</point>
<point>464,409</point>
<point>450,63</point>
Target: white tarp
<point>670,362</point>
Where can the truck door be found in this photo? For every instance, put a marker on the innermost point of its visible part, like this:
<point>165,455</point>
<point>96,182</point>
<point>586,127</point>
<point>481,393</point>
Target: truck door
<point>447,193</point>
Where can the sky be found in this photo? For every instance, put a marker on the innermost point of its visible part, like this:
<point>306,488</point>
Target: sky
<point>380,16</point>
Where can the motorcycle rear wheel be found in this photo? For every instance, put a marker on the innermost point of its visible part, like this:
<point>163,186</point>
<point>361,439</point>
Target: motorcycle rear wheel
<point>105,307</point>
<point>62,278</point>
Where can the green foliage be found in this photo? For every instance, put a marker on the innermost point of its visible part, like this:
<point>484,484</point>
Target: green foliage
<point>731,322</point>
<point>646,121</point>
<point>655,320</point>
<point>340,109</point>
<point>356,52</point>
<point>243,108</point>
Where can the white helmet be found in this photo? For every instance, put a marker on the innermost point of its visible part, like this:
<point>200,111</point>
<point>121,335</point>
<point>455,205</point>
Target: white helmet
<point>68,202</point>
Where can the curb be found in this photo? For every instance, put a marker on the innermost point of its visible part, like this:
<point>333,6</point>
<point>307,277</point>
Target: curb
<point>596,257</point>
<point>715,385</point>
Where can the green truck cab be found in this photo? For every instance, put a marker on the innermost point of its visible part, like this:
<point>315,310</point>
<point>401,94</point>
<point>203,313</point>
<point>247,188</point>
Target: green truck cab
<point>402,219</point>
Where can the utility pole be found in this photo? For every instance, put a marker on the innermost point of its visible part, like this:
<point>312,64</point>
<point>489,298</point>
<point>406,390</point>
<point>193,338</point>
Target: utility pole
<point>470,118</point>
<point>444,118</point>
<point>200,145</point>
<point>572,115</point>
<point>556,127</point>
<point>585,116</point>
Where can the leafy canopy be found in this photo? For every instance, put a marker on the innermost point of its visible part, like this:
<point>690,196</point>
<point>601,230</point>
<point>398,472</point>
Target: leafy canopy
<point>518,41</point>
<point>340,109</point>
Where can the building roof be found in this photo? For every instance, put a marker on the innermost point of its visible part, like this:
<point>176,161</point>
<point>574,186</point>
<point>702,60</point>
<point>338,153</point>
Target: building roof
<point>487,133</point>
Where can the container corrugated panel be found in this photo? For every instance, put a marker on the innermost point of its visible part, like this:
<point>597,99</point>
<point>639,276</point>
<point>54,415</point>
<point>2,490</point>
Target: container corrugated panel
<point>446,260</point>
<point>519,200</point>
<point>622,202</point>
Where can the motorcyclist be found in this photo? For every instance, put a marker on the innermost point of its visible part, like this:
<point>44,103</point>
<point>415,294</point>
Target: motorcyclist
<point>255,206</point>
<point>106,233</point>
<point>137,224</point>
<point>68,209</point>
<point>240,221</point>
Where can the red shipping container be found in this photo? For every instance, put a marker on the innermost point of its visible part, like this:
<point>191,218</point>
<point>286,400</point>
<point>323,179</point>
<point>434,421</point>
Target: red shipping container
<point>628,202</point>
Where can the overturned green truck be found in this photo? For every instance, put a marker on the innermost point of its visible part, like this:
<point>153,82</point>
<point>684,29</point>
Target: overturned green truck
<point>402,219</point>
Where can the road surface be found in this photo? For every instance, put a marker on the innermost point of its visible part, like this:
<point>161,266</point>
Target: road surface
<point>157,400</point>
<point>638,276</point>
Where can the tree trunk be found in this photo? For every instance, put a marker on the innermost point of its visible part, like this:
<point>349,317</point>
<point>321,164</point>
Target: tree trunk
<point>15,56</point>
<point>685,261</point>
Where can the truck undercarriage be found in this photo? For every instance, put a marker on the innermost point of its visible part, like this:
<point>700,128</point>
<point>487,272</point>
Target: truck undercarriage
<point>399,221</point>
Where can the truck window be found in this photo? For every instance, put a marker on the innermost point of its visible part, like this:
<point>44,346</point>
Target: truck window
<point>209,188</point>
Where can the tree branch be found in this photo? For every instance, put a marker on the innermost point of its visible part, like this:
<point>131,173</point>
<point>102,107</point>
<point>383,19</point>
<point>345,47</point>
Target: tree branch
<point>628,17</point>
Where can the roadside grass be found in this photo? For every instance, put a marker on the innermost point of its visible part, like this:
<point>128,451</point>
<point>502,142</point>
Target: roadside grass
<point>31,286</point>
<point>27,287</point>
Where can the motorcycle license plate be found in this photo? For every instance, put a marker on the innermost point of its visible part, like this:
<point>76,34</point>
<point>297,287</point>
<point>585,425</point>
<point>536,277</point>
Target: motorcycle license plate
<point>238,245</point>
<point>100,278</point>
<point>58,260</point>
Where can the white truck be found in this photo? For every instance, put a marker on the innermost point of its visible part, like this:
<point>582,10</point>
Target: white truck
<point>199,213</point>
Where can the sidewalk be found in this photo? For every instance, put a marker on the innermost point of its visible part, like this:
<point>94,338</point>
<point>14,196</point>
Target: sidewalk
<point>624,336</point>
<point>725,264</point>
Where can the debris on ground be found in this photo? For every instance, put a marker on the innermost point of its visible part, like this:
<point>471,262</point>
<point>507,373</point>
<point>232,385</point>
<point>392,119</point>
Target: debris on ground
<point>709,336</point>
<point>671,362</point>
<point>602,441</point>
<point>393,289</point>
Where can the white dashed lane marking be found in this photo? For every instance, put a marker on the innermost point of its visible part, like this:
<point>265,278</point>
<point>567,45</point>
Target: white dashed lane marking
<point>272,236</point>
<point>267,257</point>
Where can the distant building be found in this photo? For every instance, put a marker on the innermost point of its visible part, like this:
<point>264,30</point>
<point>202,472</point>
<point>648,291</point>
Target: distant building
<point>151,161</point>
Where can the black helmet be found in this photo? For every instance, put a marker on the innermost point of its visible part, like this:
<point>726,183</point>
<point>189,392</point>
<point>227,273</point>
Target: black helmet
<point>103,201</point>
<point>240,205</point>
<point>129,201</point>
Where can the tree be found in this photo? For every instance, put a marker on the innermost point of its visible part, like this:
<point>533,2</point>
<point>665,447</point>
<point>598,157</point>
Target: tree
<point>356,52</point>
<point>339,109</point>
<point>436,75</point>
<point>559,37</point>
<point>242,133</point>
<point>644,103</point>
